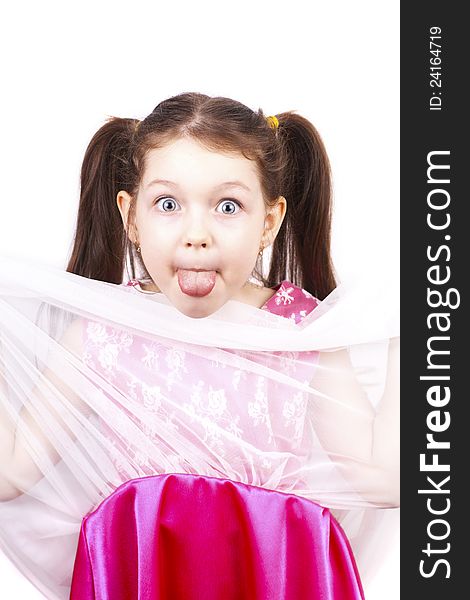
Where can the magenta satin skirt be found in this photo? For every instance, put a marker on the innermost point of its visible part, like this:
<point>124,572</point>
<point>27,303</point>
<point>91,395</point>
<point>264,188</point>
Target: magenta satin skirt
<point>188,537</point>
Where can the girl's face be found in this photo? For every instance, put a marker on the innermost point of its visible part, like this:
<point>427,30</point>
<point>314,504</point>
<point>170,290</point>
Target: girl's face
<point>200,210</point>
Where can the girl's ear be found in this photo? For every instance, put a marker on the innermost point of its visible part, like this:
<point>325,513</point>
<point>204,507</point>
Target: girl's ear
<point>123,201</point>
<point>273,220</point>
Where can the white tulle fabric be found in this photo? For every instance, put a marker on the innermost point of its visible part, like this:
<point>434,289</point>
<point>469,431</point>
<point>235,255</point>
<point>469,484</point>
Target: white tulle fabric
<point>100,384</point>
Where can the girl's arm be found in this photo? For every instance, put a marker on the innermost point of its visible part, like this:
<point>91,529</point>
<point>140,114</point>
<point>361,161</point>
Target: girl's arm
<point>18,471</point>
<point>362,441</point>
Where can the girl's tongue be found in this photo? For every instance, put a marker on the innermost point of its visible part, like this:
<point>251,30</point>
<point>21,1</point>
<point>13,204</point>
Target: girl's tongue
<point>196,283</point>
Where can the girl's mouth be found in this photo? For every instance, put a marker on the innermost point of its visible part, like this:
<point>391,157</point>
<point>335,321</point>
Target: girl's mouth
<point>197,283</point>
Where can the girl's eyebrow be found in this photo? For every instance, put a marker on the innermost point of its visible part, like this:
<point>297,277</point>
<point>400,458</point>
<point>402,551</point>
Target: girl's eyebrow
<point>225,184</point>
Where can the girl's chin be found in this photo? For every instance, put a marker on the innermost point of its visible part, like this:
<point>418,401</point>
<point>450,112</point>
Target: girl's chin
<point>197,309</point>
<point>196,306</point>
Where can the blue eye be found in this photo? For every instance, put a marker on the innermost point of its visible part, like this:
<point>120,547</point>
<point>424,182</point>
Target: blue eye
<point>166,204</point>
<point>228,203</point>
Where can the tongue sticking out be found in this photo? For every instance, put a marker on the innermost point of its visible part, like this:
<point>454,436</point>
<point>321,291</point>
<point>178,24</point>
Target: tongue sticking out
<point>196,283</point>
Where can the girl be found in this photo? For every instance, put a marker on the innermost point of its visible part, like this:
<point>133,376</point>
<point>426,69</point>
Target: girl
<point>203,400</point>
<point>285,157</point>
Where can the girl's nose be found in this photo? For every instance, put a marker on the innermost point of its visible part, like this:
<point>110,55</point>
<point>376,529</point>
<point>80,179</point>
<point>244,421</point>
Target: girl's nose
<point>197,234</point>
<point>196,243</point>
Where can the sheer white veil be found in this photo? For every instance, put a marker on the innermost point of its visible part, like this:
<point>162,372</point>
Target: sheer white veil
<point>310,409</point>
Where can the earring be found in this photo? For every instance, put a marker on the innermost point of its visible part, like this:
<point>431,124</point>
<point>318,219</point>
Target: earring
<point>137,246</point>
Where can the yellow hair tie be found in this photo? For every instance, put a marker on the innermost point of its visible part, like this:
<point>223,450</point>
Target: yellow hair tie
<point>273,122</point>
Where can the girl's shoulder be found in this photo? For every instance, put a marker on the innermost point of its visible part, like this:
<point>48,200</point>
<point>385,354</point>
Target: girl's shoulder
<point>291,302</point>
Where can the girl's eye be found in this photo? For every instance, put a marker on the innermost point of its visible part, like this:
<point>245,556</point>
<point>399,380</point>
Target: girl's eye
<point>167,204</point>
<point>229,207</point>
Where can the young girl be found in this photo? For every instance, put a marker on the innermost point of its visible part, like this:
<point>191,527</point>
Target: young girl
<point>284,158</point>
<point>189,426</point>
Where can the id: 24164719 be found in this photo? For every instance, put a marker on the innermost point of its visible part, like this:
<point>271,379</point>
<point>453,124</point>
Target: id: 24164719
<point>435,69</point>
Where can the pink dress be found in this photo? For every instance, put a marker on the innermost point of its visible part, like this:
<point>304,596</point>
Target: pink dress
<point>184,535</point>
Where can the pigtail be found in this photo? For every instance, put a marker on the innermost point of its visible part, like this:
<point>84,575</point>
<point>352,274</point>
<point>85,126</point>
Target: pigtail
<point>301,250</point>
<point>100,239</point>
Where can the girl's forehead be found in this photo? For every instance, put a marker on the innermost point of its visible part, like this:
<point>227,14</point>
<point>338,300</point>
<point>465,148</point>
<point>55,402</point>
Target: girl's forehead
<point>185,158</point>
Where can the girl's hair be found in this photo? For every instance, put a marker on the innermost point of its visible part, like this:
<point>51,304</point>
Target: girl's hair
<point>291,161</point>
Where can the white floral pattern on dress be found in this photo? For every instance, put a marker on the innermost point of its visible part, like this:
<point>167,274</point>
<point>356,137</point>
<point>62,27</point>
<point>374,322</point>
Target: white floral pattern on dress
<point>293,411</point>
<point>108,344</point>
<point>237,376</point>
<point>209,408</point>
<point>108,356</point>
<point>152,397</point>
<point>295,315</point>
<point>288,362</point>
<point>150,359</point>
<point>221,403</point>
<point>284,295</point>
<point>259,409</point>
<point>97,333</point>
<point>175,361</point>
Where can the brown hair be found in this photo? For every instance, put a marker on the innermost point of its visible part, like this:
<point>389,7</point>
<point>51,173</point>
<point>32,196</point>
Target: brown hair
<point>291,161</point>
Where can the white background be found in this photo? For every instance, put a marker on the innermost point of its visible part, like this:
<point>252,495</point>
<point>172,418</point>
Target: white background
<point>66,67</point>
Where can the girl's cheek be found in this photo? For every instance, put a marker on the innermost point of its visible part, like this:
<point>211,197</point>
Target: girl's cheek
<point>160,228</point>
